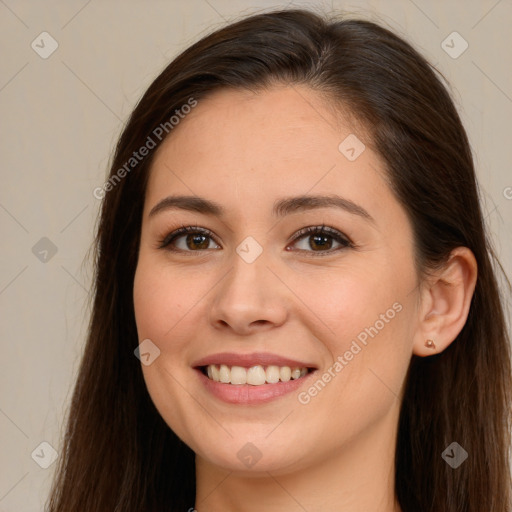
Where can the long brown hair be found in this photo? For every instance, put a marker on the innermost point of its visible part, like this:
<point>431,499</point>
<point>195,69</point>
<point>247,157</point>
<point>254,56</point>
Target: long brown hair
<point>118,453</point>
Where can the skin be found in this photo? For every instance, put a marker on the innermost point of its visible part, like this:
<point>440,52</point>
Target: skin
<point>246,150</point>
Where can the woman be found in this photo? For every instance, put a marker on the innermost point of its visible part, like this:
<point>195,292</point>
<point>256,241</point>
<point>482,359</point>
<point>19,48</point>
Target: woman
<point>291,241</point>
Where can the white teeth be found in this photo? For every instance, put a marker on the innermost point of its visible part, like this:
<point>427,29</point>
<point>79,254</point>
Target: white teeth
<point>255,375</point>
<point>238,375</point>
<point>295,373</point>
<point>272,374</point>
<point>225,374</point>
<point>285,373</point>
<point>215,373</point>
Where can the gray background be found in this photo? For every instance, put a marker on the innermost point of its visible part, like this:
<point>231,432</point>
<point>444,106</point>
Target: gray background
<point>60,118</point>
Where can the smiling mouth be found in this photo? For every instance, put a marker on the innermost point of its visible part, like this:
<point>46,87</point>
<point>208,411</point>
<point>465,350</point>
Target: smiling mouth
<point>257,375</point>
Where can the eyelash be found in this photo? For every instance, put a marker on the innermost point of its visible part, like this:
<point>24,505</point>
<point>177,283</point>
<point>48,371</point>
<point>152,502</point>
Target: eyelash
<point>339,237</point>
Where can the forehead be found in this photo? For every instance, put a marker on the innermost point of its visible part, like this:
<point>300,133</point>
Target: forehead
<point>267,118</point>
<point>241,144</point>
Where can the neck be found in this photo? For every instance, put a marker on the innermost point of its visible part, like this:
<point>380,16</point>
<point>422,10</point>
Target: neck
<point>356,478</point>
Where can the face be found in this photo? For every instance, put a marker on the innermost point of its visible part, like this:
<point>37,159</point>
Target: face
<point>256,283</point>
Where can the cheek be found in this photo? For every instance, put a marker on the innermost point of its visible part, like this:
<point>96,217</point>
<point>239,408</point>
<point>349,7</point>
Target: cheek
<point>369,310</point>
<point>356,297</point>
<point>162,300</point>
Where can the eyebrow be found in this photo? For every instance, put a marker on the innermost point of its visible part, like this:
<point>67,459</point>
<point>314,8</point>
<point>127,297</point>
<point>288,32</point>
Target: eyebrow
<point>281,208</point>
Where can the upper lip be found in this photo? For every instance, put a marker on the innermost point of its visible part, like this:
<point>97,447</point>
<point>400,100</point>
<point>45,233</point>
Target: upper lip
<point>248,360</point>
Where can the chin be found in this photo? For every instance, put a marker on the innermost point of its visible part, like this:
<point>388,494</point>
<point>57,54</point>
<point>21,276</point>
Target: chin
<point>253,455</point>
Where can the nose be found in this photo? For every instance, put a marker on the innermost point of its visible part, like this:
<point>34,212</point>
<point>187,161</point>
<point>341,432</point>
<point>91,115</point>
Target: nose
<point>249,299</point>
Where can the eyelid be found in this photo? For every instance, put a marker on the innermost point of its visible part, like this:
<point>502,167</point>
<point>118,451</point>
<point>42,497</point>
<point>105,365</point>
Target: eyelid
<point>341,238</point>
<point>184,229</point>
<point>337,235</point>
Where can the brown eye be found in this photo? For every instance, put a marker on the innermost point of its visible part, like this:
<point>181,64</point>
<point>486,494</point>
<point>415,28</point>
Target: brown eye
<point>315,239</point>
<point>197,241</point>
<point>189,239</point>
<point>321,239</point>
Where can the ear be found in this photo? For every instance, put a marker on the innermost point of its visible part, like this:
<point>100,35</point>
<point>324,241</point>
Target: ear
<point>445,301</point>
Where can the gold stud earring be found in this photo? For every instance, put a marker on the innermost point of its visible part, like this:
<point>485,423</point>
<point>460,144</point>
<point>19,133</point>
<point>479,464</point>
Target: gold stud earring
<point>430,344</point>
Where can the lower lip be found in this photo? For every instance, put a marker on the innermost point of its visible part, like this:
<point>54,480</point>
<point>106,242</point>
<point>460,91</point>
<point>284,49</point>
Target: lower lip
<point>246,394</point>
